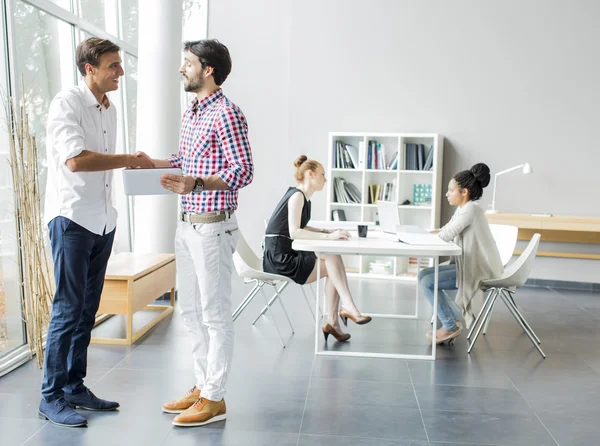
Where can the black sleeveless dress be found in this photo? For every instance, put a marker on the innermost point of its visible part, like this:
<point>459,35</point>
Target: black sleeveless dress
<point>279,257</point>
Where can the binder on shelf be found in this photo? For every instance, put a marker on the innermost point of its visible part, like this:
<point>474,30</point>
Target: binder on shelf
<point>338,215</point>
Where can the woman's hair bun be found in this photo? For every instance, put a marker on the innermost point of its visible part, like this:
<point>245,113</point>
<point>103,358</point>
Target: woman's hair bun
<point>481,172</point>
<point>300,160</point>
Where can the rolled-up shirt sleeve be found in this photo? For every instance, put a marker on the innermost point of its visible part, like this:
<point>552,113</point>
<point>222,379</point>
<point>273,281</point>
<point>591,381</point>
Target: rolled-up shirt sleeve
<point>233,138</point>
<point>64,129</point>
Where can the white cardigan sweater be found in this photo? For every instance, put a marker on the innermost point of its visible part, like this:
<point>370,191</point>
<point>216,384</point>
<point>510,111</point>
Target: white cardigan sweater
<point>480,259</point>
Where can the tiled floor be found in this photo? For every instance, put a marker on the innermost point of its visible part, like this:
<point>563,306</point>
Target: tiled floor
<point>501,394</point>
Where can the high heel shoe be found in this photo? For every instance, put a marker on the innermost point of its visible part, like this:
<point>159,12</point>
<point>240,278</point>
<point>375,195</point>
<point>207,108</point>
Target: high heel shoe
<point>449,338</point>
<point>360,319</point>
<point>329,330</point>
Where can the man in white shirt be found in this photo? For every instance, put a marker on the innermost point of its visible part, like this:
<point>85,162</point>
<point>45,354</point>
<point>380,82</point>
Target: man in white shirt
<point>81,142</point>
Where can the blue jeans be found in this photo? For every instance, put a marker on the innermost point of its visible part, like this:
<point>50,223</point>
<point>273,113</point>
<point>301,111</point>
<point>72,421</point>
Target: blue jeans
<point>448,312</point>
<point>80,259</point>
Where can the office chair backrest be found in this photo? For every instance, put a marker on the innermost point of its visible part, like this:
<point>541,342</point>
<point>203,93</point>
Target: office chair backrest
<point>505,237</point>
<point>245,258</point>
<point>517,273</point>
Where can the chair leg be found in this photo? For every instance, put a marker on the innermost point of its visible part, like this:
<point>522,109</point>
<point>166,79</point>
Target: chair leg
<point>509,295</point>
<point>307,302</point>
<point>518,319</point>
<point>485,303</point>
<point>266,307</point>
<point>487,311</point>
<point>271,315</point>
<point>282,306</point>
<point>245,302</point>
<point>487,321</point>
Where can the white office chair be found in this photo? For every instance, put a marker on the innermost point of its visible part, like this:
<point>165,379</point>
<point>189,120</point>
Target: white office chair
<point>515,276</point>
<point>505,237</point>
<point>249,267</point>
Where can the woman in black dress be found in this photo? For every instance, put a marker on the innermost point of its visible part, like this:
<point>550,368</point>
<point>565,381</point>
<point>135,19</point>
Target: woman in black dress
<point>288,222</point>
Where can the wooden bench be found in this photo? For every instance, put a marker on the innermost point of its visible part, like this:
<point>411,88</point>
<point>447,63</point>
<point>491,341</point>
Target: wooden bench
<point>133,281</point>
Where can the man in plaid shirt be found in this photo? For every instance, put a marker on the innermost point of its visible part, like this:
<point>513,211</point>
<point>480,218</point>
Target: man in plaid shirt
<point>216,161</point>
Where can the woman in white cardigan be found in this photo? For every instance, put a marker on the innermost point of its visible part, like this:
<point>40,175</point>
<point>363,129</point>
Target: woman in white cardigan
<point>480,259</point>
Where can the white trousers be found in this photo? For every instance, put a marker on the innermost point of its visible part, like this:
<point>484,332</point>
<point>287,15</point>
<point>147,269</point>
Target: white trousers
<point>204,254</point>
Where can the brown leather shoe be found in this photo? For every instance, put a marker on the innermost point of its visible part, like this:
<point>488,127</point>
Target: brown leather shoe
<point>181,405</point>
<point>202,412</point>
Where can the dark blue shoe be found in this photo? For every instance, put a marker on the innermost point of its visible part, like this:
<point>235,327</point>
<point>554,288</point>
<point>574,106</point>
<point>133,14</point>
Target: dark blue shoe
<point>60,413</point>
<point>88,401</point>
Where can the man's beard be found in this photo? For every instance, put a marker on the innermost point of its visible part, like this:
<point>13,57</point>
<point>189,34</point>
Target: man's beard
<point>193,85</point>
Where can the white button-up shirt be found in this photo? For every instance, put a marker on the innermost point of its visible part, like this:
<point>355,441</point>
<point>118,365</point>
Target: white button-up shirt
<point>77,122</point>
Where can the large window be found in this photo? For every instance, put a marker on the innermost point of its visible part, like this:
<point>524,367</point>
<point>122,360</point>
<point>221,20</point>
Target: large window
<point>44,67</point>
<point>41,41</point>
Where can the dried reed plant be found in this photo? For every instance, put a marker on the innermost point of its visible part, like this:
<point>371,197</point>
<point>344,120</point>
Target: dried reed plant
<point>36,297</point>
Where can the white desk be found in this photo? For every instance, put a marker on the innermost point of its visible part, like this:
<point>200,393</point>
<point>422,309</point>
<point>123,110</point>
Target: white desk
<point>379,244</point>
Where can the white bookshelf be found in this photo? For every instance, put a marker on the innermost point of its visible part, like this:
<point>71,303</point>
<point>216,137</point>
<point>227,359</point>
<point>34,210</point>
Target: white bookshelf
<point>427,216</point>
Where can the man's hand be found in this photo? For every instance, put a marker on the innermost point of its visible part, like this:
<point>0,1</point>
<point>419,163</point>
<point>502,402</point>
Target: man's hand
<point>180,185</point>
<point>140,161</point>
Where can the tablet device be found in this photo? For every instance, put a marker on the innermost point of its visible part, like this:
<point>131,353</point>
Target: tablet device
<point>146,181</point>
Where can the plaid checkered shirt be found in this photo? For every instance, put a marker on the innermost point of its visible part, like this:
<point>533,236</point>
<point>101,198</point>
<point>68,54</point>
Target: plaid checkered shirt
<point>214,141</point>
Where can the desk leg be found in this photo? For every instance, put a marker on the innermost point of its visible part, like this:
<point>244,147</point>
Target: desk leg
<point>417,292</point>
<point>172,299</point>
<point>436,262</point>
<point>317,320</point>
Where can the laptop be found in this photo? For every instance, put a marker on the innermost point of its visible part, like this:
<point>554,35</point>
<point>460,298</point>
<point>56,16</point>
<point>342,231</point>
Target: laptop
<point>389,218</point>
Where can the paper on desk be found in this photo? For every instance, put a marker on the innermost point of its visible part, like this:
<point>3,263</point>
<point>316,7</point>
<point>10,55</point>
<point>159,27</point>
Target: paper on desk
<point>413,229</point>
<point>420,239</point>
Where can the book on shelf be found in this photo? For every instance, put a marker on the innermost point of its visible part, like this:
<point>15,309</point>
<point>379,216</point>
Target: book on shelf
<point>345,156</point>
<point>345,192</point>
<point>376,156</point>
<point>383,192</point>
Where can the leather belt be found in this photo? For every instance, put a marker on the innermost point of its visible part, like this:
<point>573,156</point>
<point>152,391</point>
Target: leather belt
<point>207,217</point>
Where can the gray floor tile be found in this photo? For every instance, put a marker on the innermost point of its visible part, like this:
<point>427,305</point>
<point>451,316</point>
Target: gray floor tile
<point>333,392</point>
<point>458,373</point>
<point>15,431</point>
<point>361,369</point>
<point>23,404</point>
<point>504,429</point>
<point>438,443</point>
<point>199,436</point>
<point>102,430</point>
<point>573,426</point>
<point>276,416</point>
<point>360,420</point>
<point>331,440</point>
<point>471,399</point>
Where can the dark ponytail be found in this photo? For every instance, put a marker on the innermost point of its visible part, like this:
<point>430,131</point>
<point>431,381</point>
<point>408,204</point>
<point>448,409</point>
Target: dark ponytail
<point>474,179</point>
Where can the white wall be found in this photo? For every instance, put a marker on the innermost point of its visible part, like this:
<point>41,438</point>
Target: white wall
<point>504,82</point>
